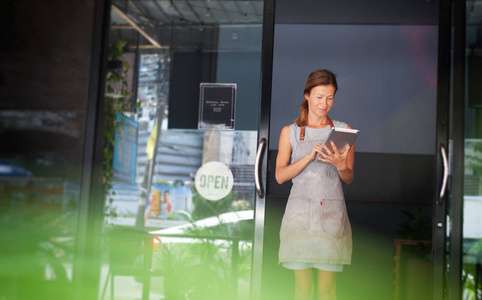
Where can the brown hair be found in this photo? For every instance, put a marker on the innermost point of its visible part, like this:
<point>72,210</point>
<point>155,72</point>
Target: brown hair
<point>316,78</point>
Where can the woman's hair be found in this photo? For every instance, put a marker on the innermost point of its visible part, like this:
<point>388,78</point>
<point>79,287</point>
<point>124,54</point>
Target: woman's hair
<point>316,78</point>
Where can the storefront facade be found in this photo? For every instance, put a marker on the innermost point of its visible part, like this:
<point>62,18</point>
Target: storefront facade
<point>139,140</point>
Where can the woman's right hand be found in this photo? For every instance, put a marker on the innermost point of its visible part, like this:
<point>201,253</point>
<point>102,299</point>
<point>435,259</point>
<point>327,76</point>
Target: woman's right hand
<point>314,152</point>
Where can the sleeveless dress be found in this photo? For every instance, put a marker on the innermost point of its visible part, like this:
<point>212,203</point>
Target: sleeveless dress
<point>315,226</point>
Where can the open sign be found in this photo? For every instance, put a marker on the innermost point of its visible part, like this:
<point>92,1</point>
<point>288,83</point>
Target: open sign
<point>214,180</point>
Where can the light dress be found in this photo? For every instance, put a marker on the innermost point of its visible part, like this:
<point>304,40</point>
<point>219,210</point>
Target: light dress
<point>315,228</point>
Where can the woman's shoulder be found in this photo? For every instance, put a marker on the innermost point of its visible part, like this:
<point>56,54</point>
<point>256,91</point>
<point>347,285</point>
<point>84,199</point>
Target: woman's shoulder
<point>287,129</point>
<point>340,124</point>
<point>289,132</point>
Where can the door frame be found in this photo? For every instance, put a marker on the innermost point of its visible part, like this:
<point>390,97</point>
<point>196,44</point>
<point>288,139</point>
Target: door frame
<point>457,138</point>
<point>263,145</point>
<point>442,138</point>
<point>447,236</point>
<point>87,263</point>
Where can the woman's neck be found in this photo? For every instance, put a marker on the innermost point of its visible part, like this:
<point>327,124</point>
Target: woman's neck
<point>318,122</point>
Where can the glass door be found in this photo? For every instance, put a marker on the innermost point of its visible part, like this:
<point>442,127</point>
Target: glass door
<point>185,93</point>
<point>463,252</point>
<point>471,146</point>
<point>386,60</point>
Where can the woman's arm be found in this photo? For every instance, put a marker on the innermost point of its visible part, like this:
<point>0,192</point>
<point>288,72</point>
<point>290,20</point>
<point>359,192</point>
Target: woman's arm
<point>346,173</point>
<point>284,170</point>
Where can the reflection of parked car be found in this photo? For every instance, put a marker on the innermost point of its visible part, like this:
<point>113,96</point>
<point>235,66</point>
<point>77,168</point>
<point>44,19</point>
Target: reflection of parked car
<point>238,224</point>
<point>9,170</point>
<point>205,259</point>
<point>13,175</point>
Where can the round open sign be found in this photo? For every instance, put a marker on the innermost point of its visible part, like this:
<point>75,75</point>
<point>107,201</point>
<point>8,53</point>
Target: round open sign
<point>214,180</point>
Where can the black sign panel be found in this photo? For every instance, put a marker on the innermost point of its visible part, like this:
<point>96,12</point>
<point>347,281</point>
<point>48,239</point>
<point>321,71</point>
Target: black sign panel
<point>216,106</point>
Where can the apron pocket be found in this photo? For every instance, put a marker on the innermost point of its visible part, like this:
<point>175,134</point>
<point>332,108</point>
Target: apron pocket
<point>296,215</point>
<point>334,217</point>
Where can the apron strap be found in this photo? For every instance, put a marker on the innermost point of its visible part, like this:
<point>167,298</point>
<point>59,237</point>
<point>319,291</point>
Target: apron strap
<point>331,123</point>
<point>302,133</point>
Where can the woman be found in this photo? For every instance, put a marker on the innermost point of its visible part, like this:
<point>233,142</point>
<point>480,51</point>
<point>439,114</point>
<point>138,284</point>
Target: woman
<point>315,231</point>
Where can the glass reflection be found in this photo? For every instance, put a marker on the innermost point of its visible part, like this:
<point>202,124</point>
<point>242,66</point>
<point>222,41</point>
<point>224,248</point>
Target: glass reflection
<point>162,238</point>
<point>39,197</point>
<point>472,224</point>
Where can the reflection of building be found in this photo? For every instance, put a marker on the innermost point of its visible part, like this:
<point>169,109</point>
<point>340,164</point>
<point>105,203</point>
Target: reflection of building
<point>179,153</point>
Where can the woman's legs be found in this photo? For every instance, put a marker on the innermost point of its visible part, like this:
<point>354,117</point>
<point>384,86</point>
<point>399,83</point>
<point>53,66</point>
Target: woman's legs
<point>304,284</point>
<point>326,285</point>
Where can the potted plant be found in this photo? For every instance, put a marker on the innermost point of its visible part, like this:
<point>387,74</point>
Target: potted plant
<point>415,259</point>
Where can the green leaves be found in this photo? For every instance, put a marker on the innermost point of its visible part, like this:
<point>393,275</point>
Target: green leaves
<point>116,49</point>
<point>118,99</point>
<point>416,227</point>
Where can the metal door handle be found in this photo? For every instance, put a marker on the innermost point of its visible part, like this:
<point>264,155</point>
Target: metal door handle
<point>259,187</point>
<point>445,163</point>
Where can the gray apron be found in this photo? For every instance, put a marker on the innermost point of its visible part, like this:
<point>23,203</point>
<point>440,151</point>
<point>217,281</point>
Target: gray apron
<point>315,226</point>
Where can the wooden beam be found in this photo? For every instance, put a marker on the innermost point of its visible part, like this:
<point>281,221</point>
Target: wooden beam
<point>126,27</point>
<point>136,27</point>
<point>147,47</point>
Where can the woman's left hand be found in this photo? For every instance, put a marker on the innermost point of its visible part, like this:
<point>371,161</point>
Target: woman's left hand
<point>339,160</point>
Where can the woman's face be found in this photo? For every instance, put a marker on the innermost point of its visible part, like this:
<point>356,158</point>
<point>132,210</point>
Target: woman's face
<point>320,99</point>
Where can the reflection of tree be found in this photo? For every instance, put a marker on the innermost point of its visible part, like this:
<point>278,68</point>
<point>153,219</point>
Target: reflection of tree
<point>473,167</point>
<point>204,208</point>
<point>473,156</point>
<point>202,269</point>
<point>472,266</point>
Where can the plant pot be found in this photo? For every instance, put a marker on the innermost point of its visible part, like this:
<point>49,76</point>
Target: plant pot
<point>417,279</point>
